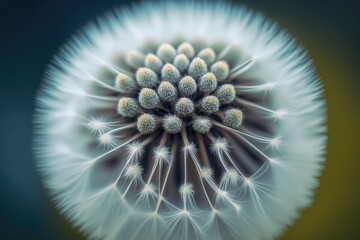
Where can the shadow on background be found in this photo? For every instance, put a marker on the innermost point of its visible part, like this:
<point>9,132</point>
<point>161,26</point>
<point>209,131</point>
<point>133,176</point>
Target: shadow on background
<point>32,31</point>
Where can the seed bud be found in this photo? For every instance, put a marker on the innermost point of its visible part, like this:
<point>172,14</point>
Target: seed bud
<point>184,106</point>
<point>233,118</point>
<point>172,124</point>
<point>170,73</point>
<point>186,49</point>
<point>208,55</point>
<point>166,53</point>
<point>220,70</point>
<point>148,98</point>
<point>166,91</point>
<point>187,86</point>
<point>210,104</point>
<point>197,68</point>
<point>146,123</point>
<point>226,93</point>
<point>146,77</point>
<point>127,107</point>
<point>124,83</point>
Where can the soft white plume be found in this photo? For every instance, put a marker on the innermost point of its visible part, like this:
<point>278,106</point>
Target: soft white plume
<point>132,146</point>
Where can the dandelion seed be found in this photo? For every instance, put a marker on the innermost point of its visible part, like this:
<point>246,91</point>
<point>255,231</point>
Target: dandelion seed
<point>203,126</point>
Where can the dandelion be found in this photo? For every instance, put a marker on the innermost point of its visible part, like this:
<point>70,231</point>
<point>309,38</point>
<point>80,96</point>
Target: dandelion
<point>210,121</point>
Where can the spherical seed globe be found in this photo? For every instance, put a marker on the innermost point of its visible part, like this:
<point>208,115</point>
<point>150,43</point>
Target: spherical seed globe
<point>174,169</point>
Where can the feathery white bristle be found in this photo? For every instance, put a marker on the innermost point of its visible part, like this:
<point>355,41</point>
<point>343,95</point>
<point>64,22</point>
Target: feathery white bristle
<point>211,123</point>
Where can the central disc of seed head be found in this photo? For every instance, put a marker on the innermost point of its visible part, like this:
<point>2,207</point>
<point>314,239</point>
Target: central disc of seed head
<point>180,104</point>
<point>175,89</point>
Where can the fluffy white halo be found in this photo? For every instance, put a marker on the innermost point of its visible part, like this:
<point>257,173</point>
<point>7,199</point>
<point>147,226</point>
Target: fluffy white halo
<point>181,121</point>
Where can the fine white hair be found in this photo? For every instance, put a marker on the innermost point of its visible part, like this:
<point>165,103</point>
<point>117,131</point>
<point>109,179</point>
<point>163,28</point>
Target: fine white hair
<point>246,177</point>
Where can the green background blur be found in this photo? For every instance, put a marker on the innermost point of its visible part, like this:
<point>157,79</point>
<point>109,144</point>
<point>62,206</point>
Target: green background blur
<point>32,31</point>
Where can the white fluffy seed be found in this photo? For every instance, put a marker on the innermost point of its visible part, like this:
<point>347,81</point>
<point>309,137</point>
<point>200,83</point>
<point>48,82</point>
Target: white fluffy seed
<point>153,62</point>
<point>170,73</point>
<point>166,91</point>
<point>146,123</point>
<point>186,49</point>
<point>181,62</point>
<point>210,104</point>
<point>202,125</point>
<point>146,77</point>
<point>220,70</point>
<point>208,83</point>
<point>148,98</point>
<point>197,68</point>
<point>226,93</point>
<point>127,107</point>
<point>172,124</point>
<point>166,53</point>
<point>124,83</point>
<point>184,106</point>
<point>233,118</point>
<point>135,59</point>
<point>208,55</point>
<point>187,86</point>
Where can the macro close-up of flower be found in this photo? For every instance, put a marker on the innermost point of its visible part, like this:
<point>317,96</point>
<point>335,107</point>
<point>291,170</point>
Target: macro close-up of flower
<point>189,120</point>
<point>178,120</point>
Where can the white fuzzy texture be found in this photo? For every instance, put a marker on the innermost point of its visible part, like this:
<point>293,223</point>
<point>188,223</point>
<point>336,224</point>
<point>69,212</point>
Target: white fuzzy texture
<point>265,203</point>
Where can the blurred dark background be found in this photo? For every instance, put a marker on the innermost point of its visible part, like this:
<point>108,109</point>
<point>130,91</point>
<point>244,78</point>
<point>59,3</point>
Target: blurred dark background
<point>31,31</point>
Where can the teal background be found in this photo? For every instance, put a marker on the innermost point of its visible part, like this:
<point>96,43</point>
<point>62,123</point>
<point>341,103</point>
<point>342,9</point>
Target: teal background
<point>32,31</point>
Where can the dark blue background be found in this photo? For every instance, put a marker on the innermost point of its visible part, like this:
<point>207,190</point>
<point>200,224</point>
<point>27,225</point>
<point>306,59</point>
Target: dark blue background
<point>32,31</point>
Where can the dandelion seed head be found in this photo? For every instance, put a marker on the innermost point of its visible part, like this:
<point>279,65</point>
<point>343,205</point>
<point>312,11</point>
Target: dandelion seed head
<point>202,135</point>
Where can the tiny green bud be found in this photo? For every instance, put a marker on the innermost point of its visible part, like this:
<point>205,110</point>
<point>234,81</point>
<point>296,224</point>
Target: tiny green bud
<point>170,73</point>
<point>153,62</point>
<point>184,106</point>
<point>208,55</point>
<point>135,59</point>
<point>146,77</point>
<point>208,83</point>
<point>226,93</point>
<point>181,62</point>
<point>202,125</point>
<point>186,49</point>
<point>172,124</point>
<point>210,104</point>
<point>124,83</point>
<point>220,70</point>
<point>166,91</point>
<point>187,86</point>
<point>127,107</point>
<point>233,118</point>
<point>148,98</point>
<point>146,123</point>
<point>166,53</point>
<point>197,68</point>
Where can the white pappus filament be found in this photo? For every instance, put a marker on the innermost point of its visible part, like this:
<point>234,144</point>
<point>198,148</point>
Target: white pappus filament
<point>210,122</point>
